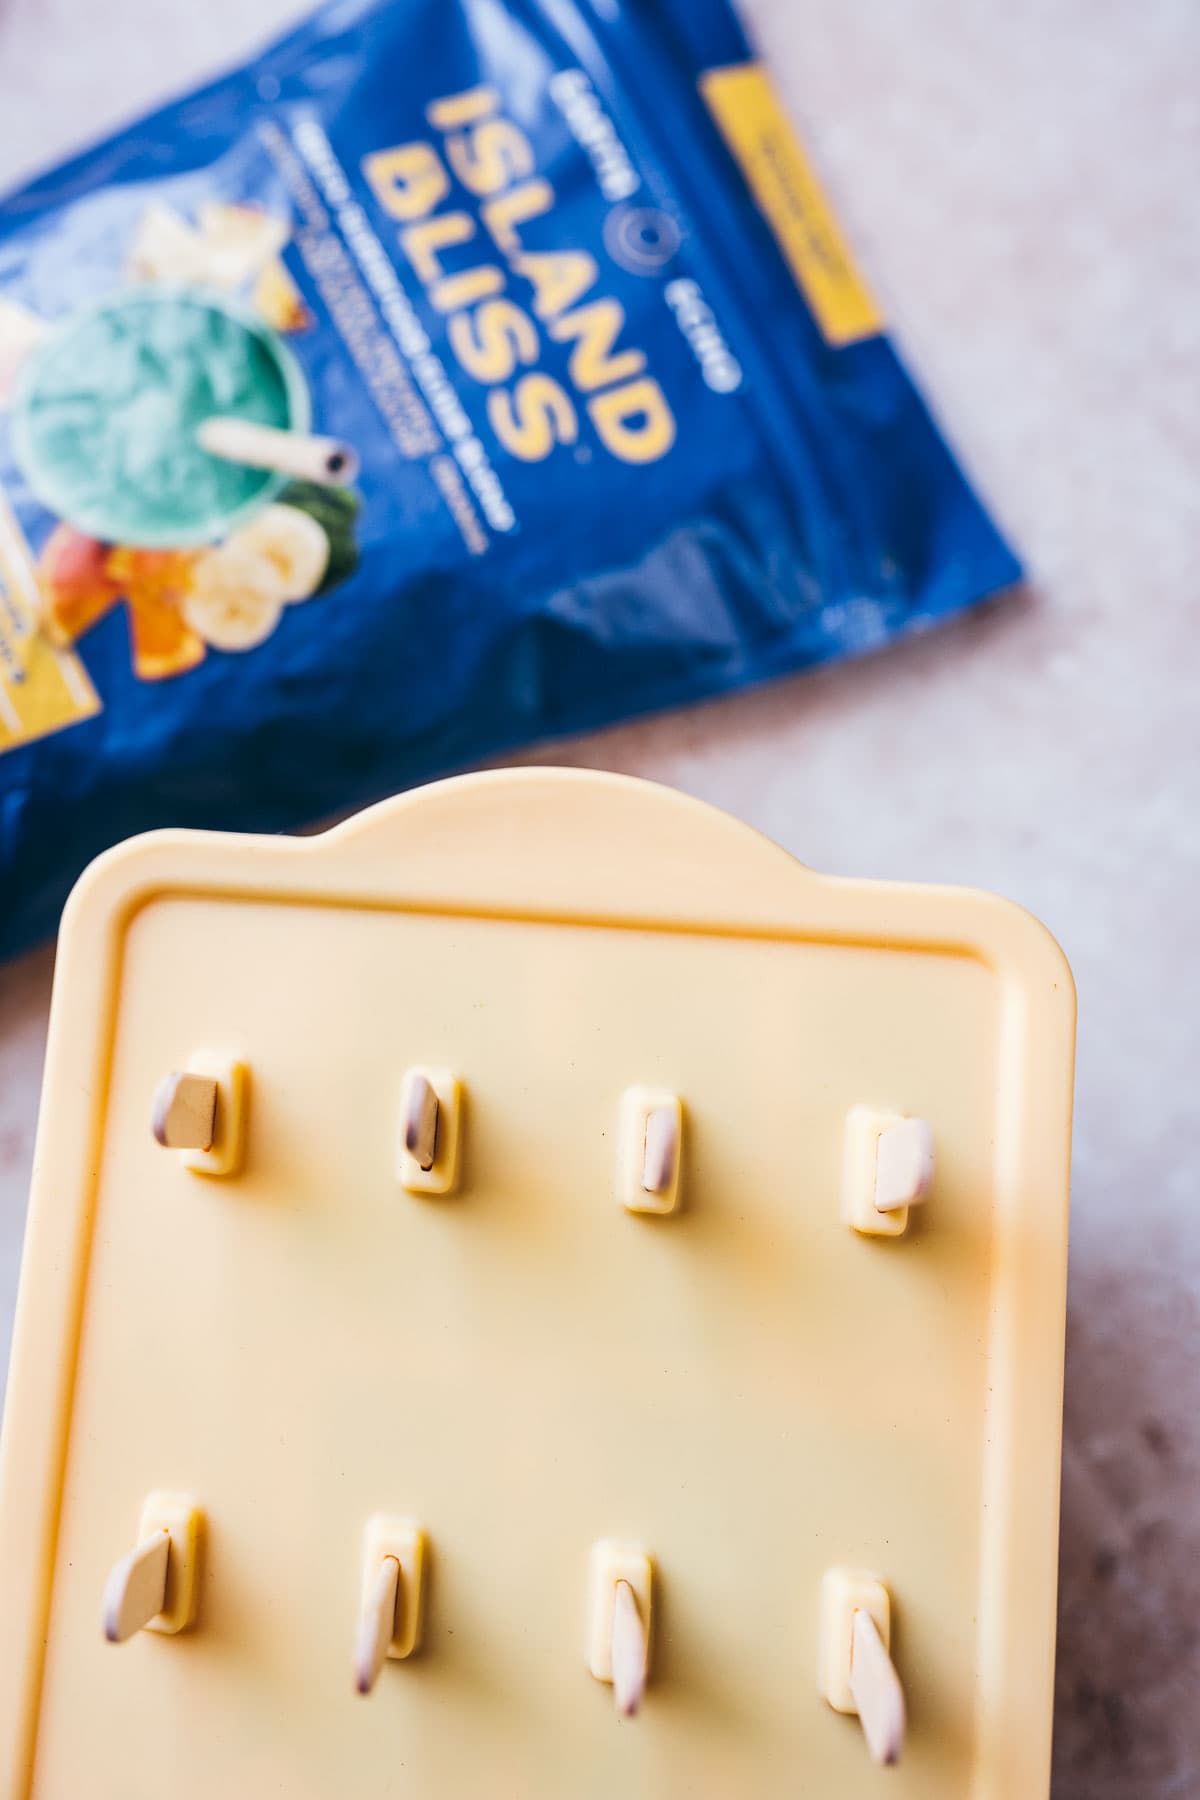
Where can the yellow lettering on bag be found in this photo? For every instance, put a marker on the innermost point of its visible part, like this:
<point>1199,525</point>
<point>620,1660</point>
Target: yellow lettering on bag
<point>490,342</point>
<point>559,278</point>
<point>634,422</point>
<point>490,156</point>
<point>533,418</point>
<point>461,109</point>
<point>421,243</point>
<point>517,207</point>
<point>408,182</point>
<point>453,292</point>
<point>594,330</point>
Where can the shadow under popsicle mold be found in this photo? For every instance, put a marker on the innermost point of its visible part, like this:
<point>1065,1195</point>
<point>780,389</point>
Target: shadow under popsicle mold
<point>1128,1667</point>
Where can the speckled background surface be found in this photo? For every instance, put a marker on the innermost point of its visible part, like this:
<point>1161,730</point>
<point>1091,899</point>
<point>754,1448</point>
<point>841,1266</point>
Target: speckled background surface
<point>1020,182</point>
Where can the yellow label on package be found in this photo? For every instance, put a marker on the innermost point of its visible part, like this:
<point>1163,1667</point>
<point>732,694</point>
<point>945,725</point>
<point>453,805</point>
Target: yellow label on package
<point>42,688</point>
<point>755,127</point>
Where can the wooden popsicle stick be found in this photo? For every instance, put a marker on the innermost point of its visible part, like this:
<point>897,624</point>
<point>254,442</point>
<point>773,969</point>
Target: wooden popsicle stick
<point>628,1651</point>
<point>661,1150</point>
<point>376,1625</point>
<point>421,1122</point>
<point>877,1692</point>
<point>136,1590</point>
<point>903,1165</point>
<point>304,458</point>
<point>184,1112</point>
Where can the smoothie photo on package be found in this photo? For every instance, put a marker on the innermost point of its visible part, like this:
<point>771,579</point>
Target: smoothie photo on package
<point>367,413</point>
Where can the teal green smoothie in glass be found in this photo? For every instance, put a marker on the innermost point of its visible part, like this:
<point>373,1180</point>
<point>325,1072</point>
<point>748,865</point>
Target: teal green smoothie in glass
<point>108,407</point>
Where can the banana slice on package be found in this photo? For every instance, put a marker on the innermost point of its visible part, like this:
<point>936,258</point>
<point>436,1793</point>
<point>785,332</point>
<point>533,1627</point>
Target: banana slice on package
<point>236,598</point>
<point>292,542</point>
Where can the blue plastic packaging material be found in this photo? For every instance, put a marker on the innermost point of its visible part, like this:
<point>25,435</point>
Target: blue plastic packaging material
<point>455,374</point>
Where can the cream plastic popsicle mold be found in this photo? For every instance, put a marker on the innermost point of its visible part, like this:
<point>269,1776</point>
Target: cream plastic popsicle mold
<point>528,1369</point>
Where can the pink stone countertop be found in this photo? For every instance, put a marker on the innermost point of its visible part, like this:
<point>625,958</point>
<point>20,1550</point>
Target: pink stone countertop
<point>1020,182</point>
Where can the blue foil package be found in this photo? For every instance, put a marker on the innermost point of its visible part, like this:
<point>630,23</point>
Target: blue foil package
<point>455,374</point>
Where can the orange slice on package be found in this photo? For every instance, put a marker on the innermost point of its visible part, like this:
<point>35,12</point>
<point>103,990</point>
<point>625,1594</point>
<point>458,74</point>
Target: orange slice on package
<point>279,300</point>
<point>154,583</point>
<point>160,642</point>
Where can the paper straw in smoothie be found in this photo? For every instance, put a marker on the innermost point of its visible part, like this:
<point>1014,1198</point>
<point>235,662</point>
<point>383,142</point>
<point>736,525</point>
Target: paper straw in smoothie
<point>292,453</point>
